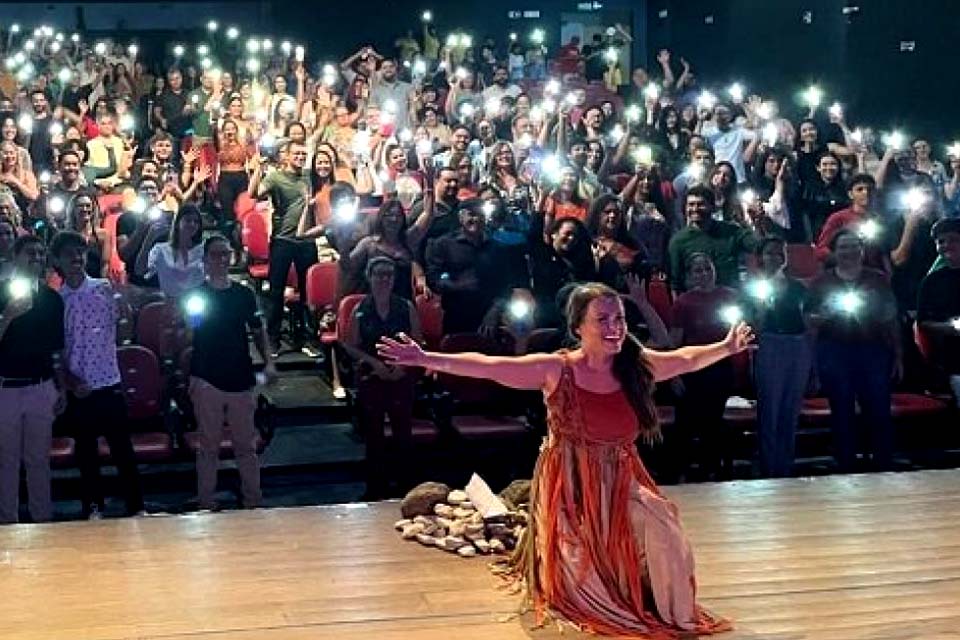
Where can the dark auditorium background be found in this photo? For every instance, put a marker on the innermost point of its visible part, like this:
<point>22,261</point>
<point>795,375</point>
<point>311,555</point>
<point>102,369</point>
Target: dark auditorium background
<point>888,60</point>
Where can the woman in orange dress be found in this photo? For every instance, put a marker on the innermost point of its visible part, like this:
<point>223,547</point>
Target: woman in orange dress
<point>605,550</point>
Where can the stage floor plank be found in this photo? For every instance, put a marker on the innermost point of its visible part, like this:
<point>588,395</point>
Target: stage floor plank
<point>833,558</point>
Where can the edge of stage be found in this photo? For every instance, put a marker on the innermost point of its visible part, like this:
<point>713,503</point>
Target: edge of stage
<point>827,558</point>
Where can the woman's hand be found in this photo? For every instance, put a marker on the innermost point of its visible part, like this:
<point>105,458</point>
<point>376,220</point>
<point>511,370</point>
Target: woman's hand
<point>739,338</point>
<point>402,351</point>
<point>636,288</point>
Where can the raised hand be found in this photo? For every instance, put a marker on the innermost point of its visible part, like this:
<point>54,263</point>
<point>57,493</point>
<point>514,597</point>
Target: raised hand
<point>740,338</point>
<point>402,351</point>
<point>189,157</point>
<point>663,56</point>
<point>636,288</point>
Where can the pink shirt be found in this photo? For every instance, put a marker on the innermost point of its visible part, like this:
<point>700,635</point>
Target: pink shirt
<point>90,324</point>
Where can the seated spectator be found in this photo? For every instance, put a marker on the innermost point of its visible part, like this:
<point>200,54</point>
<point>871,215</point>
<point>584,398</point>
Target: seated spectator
<point>698,318</point>
<point>9,131</point>
<point>723,242</point>
<point>178,263</point>
<point>440,218</point>
<point>862,191</point>
<point>95,398</point>
<point>938,305</point>
<point>83,217</point>
<point>854,313</point>
<point>69,183</point>
<point>383,389</point>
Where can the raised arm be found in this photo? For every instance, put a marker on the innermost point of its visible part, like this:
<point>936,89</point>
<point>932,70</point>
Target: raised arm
<point>534,371</point>
<point>670,364</point>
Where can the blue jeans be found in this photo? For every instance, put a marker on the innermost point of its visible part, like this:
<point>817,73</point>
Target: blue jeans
<point>782,371</point>
<point>854,373</point>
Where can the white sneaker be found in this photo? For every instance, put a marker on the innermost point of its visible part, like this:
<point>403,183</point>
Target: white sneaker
<point>340,393</point>
<point>95,513</point>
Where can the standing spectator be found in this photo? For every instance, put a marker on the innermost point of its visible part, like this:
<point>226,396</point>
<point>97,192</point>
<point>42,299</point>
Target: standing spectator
<point>83,217</point>
<point>95,398</point>
<point>31,341</point>
<point>20,182</point>
<point>862,211</point>
<point>697,320</point>
<point>464,269</point>
<point>858,349</point>
<point>723,242</point>
<point>40,145</point>
<point>178,263</point>
<point>171,111</point>
<point>500,87</point>
<point>731,144</point>
<point>381,388</point>
<point>289,190</point>
<point>221,373</point>
<point>783,360</point>
<point>392,95</point>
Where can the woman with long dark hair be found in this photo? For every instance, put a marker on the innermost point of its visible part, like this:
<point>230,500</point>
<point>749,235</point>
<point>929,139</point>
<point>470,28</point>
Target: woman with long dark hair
<point>388,238</point>
<point>618,255</point>
<point>605,550</point>
<point>647,221</point>
<point>672,140</point>
<point>83,216</point>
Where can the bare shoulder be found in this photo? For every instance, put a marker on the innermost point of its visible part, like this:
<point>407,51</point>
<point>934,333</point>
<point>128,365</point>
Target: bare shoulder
<point>551,365</point>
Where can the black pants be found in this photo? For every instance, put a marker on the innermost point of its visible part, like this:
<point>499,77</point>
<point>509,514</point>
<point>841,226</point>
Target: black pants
<point>699,419</point>
<point>376,398</point>
<point>103,412</point>
<point>284,252</point>
<point>230,186</point>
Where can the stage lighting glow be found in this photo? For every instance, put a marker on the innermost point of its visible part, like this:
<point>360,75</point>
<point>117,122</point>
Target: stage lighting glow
<point>633,113</point>
<point>25,122</point>
<point>552,87</point>
<point>736,92</point>
<point>644,154</point>
<point>178,51</point>
<point>895,140</point>
<point>914,199</point>
<point>651,91</point>
<point>426,16</point>
<point>212,26</point>
<point>836,110</point>
<point>195,305</point>
<point>233,33</point>
<point>64,74</point>
<point>345,211</point>
<point>537,36</point>
<point>56,205</point>
<point>550,166</point>
<point>770,134</point>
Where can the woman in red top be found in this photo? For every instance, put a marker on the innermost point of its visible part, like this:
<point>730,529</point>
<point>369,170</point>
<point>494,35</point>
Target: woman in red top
<point>565,201</point>
<point>605,550</point>
<point>702,315</point>
<point>232,157</point>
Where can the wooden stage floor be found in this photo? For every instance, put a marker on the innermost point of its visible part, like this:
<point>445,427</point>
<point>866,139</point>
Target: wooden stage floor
<point>831,558</point>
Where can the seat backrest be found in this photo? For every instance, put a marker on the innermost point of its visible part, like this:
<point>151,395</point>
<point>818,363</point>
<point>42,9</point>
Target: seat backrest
<point>255,235</point>
<point>802,261</point>
<point>430,314</point>
<point>161,328</point>
<point>141,380</point>
<point>322,279</point>
<point>475,393</point>
<point>661,299</point>
<point>345,313</point>
<point>243,206</point>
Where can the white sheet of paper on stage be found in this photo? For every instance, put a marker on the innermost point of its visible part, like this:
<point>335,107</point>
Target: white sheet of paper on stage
<point>484,499</point>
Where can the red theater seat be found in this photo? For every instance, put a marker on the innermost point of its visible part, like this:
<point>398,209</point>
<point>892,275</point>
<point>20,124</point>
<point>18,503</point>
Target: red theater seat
<point>61,453</point>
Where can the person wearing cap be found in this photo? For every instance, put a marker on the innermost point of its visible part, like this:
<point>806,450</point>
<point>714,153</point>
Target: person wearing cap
<point>938,303</point>
<point>31,341</point>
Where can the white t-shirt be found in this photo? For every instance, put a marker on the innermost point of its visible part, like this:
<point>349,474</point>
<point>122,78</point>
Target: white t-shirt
<point>176,278</point>
<point>728,146</point>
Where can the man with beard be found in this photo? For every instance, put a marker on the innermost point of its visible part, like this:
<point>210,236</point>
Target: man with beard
<point>40,145</point>
<point>391,94</point>
<point>722,241</point>
<point>70,184</point>
<point>500,86</point>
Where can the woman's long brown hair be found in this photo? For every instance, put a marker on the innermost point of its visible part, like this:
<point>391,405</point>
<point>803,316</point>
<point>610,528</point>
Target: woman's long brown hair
<point>630,367</point>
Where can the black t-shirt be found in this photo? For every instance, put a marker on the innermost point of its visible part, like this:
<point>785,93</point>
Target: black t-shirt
<point>28,346</point>
<point>171,106</point>
<point>939,301</point>
<point>923,253</point>
<point>40,148</point>
<point>221,350</point>
<point>870,319</point>
<point>782,311</point>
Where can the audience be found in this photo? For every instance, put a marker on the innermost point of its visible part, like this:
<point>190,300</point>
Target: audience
<point>466,174</point>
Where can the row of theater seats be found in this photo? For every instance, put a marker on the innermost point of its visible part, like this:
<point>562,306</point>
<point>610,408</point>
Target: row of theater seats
<point>155,374</point>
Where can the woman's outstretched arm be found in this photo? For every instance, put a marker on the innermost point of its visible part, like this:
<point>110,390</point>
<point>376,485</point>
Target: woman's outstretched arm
<point>670,364</point>
<point>534,371</point>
